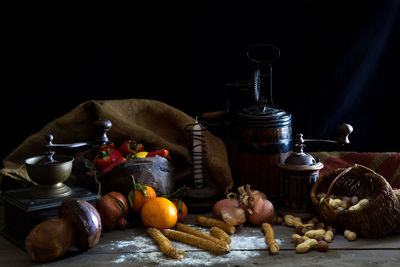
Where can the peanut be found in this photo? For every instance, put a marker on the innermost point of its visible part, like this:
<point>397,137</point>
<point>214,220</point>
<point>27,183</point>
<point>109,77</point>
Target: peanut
<point>321,195</point>
<point>315,219</point>
<point>330,227</point>
<point>306,245</point>
<point>320,225</point>
<point>335,203</point>
<point>350,235</point>
<point>363,202</point>
<point>290,220</point>
<point>298,241</point>
<point>311,222</point>
<point>322,246</point>
<point>278,220</point>
<point>311,233</point>
<point>359,205</point>
<point>296,236</point>
<point>318,237</point>
<point>301,230</point>
<point>328,237</point>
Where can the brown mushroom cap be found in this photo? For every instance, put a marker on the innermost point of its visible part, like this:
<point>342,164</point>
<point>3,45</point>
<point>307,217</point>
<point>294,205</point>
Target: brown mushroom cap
<point>85,218</point>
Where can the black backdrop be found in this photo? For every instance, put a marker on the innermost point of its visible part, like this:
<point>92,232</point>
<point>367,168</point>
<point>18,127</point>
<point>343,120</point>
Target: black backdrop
<point>339,60</point>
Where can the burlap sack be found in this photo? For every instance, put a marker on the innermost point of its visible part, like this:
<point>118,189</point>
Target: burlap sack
<point>155,123</point>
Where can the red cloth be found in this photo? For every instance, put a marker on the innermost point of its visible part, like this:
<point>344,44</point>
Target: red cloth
<point>386,164</point>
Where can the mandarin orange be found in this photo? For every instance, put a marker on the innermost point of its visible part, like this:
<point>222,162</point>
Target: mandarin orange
<point>159,213</point>
<point>182,209</point>
<point>140,199</point>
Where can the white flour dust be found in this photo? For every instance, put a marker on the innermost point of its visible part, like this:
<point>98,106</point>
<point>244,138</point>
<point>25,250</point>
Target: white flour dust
<point>137,243</point>
<point>141,248</point>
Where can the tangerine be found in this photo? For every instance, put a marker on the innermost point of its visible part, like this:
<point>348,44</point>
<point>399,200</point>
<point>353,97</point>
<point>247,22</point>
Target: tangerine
<point>182,209</point>
<point>140,199</point>
<point>159,213</point>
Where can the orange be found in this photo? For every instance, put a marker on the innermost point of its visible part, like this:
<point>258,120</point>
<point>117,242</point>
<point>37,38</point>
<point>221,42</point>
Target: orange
<point>160,213</point>
<point>183,211</point>
<point>140,198</point>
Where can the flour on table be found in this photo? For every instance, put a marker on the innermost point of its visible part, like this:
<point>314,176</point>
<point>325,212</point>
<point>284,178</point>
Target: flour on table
<point>147,252</point>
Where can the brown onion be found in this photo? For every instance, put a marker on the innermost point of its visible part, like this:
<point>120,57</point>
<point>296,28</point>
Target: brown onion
<point>113,209</point>
<point>258,193</point>
<point>262,211</point>
<point>230,211</point>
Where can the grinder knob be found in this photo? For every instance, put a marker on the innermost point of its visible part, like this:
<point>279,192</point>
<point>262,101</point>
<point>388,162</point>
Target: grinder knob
<point>102,127</point>
<point>344,130</point>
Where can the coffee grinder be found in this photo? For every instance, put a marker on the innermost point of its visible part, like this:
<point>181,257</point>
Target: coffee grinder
<point>27,207</point>
<point>300,171</point>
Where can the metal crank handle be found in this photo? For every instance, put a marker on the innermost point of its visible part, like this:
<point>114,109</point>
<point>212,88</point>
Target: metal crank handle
<point>344,130</point>
<point>102,126</point>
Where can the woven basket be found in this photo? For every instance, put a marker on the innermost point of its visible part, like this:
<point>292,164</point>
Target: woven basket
<point>378,218</point>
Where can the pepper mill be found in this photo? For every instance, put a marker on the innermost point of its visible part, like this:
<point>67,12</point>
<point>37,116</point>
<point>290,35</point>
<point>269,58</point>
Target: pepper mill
<point>300,171</point>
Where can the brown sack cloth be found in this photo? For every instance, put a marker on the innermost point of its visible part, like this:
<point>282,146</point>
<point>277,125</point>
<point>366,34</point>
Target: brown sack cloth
<point>154,123</point>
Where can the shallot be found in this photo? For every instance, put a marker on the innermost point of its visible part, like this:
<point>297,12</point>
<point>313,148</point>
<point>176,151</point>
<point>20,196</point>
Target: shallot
<point>262,211</point>
<point>230,211</point>
<point>113,209</point>
<point>248,205</point>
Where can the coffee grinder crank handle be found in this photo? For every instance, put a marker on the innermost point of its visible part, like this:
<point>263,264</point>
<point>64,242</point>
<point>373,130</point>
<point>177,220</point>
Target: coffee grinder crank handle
<point>344,130</point>
<point>102,127</point>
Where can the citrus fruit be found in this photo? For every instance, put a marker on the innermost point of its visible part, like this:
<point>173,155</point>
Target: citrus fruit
<point>160,213</point>
<point>139,198</point>
<point>181,208</point>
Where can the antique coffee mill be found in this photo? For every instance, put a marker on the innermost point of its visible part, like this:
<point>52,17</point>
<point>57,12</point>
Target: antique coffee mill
<point>260,139</point>
<point>300,171</point>
<point>25,208</point>
<point>260,135</point>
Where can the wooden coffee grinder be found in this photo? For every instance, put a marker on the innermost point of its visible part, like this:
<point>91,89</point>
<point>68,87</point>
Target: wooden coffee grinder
<point>300,171</point>
<point>24,208</point>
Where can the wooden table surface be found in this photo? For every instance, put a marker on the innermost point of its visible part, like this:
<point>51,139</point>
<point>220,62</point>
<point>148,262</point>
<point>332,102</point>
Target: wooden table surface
<point>132,247</point>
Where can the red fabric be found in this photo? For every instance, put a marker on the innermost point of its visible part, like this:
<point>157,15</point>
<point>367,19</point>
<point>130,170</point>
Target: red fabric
<point>386,164</point>
<point>333,163</point>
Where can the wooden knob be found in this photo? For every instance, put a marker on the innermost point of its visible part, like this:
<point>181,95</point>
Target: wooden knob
<point>102,126</point>
<point>344,130</point>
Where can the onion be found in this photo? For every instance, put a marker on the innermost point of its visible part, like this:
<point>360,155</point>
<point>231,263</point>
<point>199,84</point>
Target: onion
<point>113,209</point>
<point>255,193</point>
<point>230,211</point>
<point>262,211</point>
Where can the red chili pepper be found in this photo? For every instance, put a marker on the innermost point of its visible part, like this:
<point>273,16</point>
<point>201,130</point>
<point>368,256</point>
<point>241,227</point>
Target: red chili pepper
<point>161,152</point>
<point>112,165</point>
<point>107,145</point>
<point>104,158</point>
<point>129,147</point>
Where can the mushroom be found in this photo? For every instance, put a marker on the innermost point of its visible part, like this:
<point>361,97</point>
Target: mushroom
<point>79,224</point>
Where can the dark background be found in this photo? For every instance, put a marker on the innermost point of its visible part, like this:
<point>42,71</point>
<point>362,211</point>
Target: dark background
<point>339,60</point>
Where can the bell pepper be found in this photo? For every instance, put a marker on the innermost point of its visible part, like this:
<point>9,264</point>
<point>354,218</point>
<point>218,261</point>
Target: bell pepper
<point>112,165</point>
<point>105,157</point>
<point>107,145</point>
<point>130,146</point>
<point>161,152</point>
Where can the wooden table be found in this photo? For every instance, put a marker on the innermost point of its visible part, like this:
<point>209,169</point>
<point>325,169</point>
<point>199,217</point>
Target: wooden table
<point>132,247</point>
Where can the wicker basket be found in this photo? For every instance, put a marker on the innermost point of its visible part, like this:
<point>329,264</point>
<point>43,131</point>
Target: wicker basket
<point>378,218</point>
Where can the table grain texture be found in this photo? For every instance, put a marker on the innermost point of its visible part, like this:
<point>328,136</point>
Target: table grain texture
<point>132,247</point>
